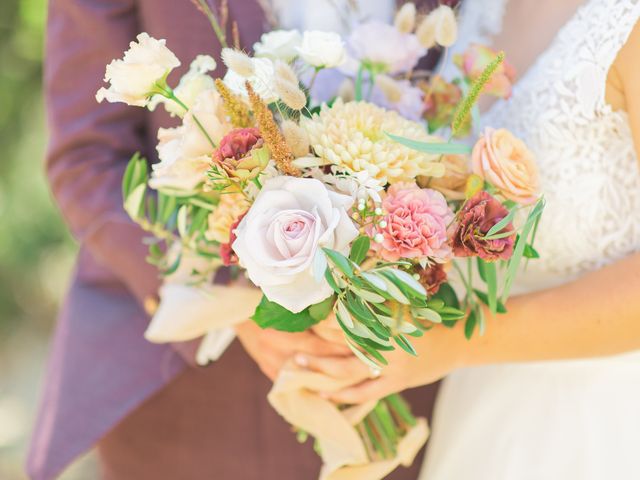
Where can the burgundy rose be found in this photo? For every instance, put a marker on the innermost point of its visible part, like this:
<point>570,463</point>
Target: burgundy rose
<point>432,277</point>
<point>475,219</point>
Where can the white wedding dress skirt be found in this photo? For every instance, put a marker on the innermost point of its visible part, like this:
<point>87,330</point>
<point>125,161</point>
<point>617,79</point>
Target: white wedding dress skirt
<point>569,420</point>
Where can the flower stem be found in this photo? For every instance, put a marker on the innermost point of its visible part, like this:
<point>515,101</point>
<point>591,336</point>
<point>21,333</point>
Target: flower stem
<point>170,94</point>
<point>204,7</point>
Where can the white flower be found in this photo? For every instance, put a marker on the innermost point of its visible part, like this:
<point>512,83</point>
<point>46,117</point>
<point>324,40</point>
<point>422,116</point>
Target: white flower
<point>322,49</point>
<point>261,80</point>
<point>133,78</point>
<point>175,171</point>
<point>279,44</point>
<point>279,241</point>
<point>360,186</point>
<point>185,152</point>
<point>191,85</point>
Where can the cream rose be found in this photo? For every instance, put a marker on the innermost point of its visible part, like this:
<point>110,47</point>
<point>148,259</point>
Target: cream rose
<point>133,78</point>
<point>505,161</point>
<point>279,240</point>
<point>322,49</point>
<point>279,44</point>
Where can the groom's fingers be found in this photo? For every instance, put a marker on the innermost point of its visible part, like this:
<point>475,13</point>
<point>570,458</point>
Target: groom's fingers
<point>334,366</point>
<point>363,392</point>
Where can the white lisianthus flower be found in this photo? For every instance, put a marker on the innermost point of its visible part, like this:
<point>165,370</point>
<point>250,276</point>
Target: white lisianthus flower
<point>133,78</point>
<point>322,49</point>
<point>278,45</point>
<point>175,171</point>
<point>185,152</point>
<point>191,85</point>
<point>262,80</point>
<point>283,233</point>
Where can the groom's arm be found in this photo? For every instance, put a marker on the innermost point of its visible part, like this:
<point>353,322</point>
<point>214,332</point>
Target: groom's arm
<point>90,143</point>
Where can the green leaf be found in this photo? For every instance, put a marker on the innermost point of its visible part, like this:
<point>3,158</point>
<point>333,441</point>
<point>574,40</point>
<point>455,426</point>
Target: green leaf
<point>343,314</point>
<point>331,281</point>
<point>484,298</point>
<point>408,281</point>
<point>428,314</point>
<point>321,311</point>
<point>530,252</point>
<point>166,207</point>
<point>436,148</point>
<point>470,325</point>
<point>502,223</point>
<point>272,315</point>
<point>340,261</point>
<point>481,269</point>
<point>518,250</point>
<point>359,249</point>
<point>403,343</point>
<point>447,294</point>
<point>134,203</point>
<point>128,175</point>
<point>367,295</point>
<point>492,284</point>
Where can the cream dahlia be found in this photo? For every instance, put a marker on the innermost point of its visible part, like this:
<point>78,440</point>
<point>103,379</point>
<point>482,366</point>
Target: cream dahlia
<point>353,136</point>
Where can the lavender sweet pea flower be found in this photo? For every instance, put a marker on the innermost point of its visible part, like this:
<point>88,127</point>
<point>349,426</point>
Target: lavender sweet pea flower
<point>385,47</point>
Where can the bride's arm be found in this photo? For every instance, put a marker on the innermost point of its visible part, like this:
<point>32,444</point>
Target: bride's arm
<point>596,315</point>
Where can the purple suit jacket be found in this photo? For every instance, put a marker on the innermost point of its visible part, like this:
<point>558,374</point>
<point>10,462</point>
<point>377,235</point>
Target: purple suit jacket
<point>100,366</point>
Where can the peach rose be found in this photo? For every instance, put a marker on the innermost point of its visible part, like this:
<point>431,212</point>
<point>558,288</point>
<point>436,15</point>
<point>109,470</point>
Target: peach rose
<point>505,162</point>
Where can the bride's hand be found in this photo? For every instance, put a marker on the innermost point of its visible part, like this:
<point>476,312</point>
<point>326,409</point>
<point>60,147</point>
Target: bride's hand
<point>440,350</point>
<point>271,349</point>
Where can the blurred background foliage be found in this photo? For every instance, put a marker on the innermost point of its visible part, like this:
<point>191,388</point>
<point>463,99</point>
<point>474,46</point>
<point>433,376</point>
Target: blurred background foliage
<point>36,252</point>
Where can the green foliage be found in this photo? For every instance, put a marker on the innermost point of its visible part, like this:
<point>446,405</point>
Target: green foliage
<point>436,148</point>
<point>271,315</point>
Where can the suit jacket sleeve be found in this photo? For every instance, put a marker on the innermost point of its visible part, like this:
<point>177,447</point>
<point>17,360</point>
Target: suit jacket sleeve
<point>90,143</point>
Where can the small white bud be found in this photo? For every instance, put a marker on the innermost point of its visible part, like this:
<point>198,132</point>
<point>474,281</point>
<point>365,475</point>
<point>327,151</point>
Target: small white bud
<point>378,211</point>
<point>382,224</point>
<point>378,238</point>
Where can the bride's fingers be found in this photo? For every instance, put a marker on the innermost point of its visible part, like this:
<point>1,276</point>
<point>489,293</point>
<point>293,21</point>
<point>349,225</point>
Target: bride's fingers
<point>329,332</point>
<point>363,392</point>
<point>334,366</point>
<point>310,343</point>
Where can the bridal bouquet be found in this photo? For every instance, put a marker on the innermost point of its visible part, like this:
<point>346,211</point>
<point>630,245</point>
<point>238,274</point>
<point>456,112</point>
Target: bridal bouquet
<point>358,208</point>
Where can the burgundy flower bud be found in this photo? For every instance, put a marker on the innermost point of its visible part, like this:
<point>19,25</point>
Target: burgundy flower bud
<point>477,216</point>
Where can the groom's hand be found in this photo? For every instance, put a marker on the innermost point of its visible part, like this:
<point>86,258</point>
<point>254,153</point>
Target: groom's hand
<point>271,349</point>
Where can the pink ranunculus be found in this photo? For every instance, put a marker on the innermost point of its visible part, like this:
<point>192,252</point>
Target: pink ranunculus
<point>384,47</point>
<point>473,62</point>
<point>475,219</point>
<point>416,224</point>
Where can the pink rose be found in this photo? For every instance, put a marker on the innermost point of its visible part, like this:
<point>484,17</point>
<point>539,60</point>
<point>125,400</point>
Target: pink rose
<point>475,219</point>
<point>415,224</point>
<point>473,62</point>
<point>505,162</point>
<point>280,238</point>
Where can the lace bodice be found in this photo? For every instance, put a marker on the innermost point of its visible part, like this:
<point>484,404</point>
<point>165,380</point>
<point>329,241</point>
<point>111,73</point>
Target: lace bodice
<point>588,166</point>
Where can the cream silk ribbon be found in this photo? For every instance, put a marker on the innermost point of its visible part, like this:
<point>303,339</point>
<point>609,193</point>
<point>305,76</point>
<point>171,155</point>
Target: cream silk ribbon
<point>187,312</point>
<point>343,451</point>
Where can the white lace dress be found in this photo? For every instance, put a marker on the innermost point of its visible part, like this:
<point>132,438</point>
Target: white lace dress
<point>569,420</point>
